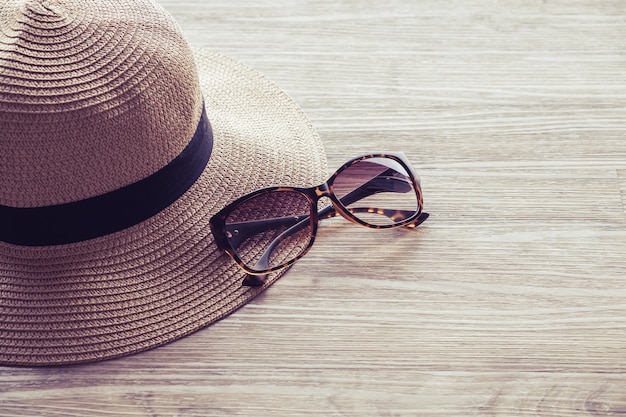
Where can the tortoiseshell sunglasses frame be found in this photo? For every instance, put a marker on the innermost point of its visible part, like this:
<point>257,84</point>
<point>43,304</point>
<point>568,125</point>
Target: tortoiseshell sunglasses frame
<point>313,195</point>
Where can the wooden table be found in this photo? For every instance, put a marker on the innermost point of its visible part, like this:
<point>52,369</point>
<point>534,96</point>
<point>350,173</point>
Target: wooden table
<point>509,301</point>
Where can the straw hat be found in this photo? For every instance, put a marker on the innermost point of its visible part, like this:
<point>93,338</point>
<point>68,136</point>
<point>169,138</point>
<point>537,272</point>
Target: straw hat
<point>118,142</point>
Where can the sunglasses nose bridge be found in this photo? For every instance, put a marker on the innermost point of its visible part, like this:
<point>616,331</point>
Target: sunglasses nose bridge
<point>322,190</point>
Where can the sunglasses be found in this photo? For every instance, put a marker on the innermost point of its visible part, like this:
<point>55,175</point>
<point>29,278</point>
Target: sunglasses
<point>272,228</point>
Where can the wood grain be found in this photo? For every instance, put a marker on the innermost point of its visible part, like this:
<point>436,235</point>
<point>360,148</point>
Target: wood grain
<point>509,301</point>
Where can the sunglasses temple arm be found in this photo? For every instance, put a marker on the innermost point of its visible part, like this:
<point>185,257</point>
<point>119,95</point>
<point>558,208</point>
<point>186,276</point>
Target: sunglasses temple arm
<point>302,221</point>
<point>395,215</point>
<point>376,185</point>
<point>363,191</point>
<point>241,231</point>
<point>263,262</point>
<point>420,219</point>
<point>381,183</point>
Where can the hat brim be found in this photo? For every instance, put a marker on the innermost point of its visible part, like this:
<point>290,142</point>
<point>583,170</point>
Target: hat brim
<point>164,278</point>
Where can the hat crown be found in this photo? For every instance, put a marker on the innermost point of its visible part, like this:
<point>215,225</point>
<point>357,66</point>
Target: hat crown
<point>94,95</point>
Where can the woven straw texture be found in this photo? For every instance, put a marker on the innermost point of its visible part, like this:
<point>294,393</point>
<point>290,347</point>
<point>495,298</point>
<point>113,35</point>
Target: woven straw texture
<point>95,95</point>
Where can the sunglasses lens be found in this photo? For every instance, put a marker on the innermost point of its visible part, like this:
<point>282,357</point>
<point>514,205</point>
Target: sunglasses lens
<point>378,191</point>
<point>270,229</point>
